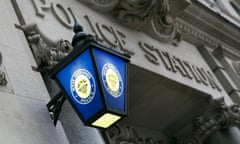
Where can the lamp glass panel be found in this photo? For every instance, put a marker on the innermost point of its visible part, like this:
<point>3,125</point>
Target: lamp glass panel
<point>78,79</point>
<point>112,71</point>
<point>106,120</point>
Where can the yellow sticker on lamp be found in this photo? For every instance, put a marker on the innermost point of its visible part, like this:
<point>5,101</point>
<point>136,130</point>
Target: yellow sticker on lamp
<point>112,80</point>
<point>83,86</point>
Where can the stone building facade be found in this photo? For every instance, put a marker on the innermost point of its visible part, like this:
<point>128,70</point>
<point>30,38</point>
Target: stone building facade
<point>184,73</point>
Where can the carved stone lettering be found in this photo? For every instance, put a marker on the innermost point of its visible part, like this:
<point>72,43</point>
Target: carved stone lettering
<point>176,65</point>
<point>94,31</point>
<point>168,58</point>
<point>41,6</point>
<point>63,15</point>
<point>68,21</point>
<point>212,81</point>
<point>188,69</point>
<point>197,74</point>
<point>47,52</point>
<point>121,38</point>
<point>203,76</point>
<point>185,71</point>
<point>109,35</point>
<point>161,55</point>
<point>150,56</point>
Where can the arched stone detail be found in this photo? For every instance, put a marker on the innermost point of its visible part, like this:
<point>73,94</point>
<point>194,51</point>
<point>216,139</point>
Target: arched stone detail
<point>203,126</point>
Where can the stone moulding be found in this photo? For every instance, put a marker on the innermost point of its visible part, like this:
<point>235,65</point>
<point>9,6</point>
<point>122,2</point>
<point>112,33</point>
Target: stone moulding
<point>3,80</point>
<point>221,117</point>
<point>150,16</point>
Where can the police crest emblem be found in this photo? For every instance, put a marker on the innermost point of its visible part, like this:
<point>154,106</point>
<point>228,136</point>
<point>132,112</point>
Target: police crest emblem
<point>83,86</point>
<point>112,80</point>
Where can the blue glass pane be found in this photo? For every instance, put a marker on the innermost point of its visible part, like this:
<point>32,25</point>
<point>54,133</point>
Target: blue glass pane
<point>79,81</point>
<point>112,70</point>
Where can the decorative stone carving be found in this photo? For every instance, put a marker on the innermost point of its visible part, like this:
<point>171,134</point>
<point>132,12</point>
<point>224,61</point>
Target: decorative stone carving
<point>122,134</point>
<point>203,126</point>
<point>151,16</point>
<point>47,52</point>
<point>191,31</point>
<point>3,80</point>
<point>136,13</point>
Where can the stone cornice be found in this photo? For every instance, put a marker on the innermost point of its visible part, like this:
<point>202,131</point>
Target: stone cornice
<point>211,29</point>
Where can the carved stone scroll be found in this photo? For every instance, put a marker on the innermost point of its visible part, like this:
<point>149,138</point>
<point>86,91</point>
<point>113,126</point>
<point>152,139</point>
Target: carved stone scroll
<point>150,16</point>
<point>203,126</point>
<point>136,13</point>
<point>47,52</point>
<point>123,134</point>
<point>3,80</point>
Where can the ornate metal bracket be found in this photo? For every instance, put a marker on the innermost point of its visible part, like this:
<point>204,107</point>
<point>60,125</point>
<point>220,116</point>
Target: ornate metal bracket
<point>55,105</point>
<point>203,126</point>
<point>47,52</point>
<point>3,81</point>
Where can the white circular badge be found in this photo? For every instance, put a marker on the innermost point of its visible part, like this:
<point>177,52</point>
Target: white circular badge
<point>112,80</point>
<point>83,86</point>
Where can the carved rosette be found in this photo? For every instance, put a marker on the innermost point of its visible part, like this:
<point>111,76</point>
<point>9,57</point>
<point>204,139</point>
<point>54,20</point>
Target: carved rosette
<point>204,126</point>
<point>3,80</point>
<point>150,16</point>
<point>47,52</point>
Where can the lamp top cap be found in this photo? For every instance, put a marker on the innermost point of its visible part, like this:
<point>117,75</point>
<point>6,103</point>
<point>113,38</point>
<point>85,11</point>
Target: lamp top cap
<point>77,27</point>
<point>80,35</point>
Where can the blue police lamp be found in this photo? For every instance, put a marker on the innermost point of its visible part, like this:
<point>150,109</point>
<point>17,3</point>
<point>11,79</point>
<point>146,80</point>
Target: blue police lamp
<point>93,77</point>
